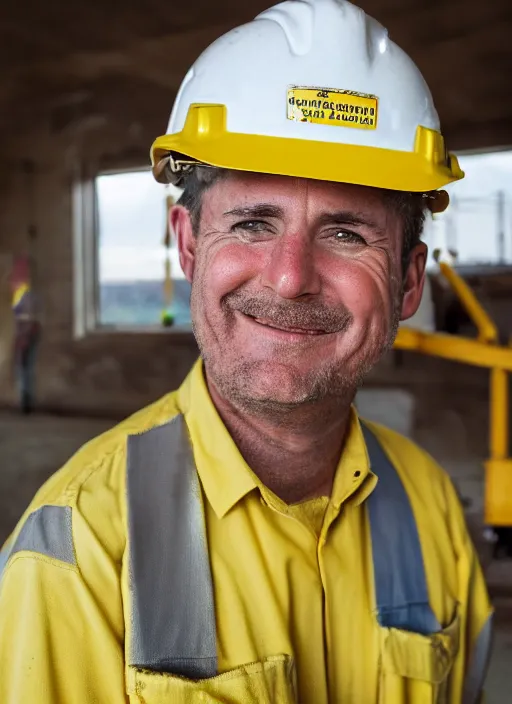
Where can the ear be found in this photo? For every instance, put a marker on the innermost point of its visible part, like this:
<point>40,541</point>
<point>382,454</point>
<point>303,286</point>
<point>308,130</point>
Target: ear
<point>181,226</point>
<point>413,281</point>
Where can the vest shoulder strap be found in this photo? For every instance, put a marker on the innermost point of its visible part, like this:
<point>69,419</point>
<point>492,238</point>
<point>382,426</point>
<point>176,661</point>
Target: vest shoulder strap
<point>172,609</point>
<point>401,591</point>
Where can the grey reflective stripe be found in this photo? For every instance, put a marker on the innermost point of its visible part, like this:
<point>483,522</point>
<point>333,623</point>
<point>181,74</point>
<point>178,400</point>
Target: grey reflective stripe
<point>401,591</point>
<point>48,531</point>
<point>172,608</point>
<point>478,664</point>
<point>4,556</point>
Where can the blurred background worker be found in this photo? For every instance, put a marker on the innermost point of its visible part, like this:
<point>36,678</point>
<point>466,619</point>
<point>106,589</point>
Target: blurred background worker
<point>248,538</point>
<point>27,331</point>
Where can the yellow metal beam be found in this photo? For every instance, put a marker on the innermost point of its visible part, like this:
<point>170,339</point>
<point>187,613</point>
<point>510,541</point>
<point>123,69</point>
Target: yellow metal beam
<point>487,330</point>
<point>499,419</point>
<point>457,349</point>
<point>498,492</point>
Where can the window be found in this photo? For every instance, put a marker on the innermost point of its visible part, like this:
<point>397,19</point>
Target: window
<point>124,271</point>
<point>478,223</point>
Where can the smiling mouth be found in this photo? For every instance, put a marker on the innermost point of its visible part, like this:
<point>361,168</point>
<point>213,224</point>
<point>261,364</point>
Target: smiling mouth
<point>285,328</point>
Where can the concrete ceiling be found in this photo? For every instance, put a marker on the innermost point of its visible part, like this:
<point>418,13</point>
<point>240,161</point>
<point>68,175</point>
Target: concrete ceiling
<point>124,59</point>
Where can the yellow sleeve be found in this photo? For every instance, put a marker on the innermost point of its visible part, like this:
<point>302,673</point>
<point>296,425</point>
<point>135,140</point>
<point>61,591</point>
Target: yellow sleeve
<point>476,613</point>
<point>62,623</point>
<point>56,643</point>
<point>477,632</point>
<point>61,606</point>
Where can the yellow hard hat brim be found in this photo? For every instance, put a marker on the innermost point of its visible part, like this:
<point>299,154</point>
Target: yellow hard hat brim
<point>205,139</point>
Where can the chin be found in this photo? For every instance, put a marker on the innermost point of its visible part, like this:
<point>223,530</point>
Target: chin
<point>273,377</point>
<point>284,395</point>
<point>274,383</point>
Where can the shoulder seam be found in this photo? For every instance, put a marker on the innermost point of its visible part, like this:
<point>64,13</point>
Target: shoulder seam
<point>76,483</point>
<point>27,555</point>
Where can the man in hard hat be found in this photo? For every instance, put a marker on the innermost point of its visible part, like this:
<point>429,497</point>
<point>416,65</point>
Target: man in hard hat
<point>248,538</point>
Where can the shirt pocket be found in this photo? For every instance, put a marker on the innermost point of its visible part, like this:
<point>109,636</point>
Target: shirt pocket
<point>271,681</point>
<point>415,668</point>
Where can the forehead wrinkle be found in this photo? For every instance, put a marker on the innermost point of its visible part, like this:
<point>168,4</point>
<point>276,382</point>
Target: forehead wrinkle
<point>308,200</point>
<point>345,215</point>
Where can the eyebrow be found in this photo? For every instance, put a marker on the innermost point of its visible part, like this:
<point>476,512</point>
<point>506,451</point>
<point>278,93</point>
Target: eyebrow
<point>348,217</point>
<point>259,210</point>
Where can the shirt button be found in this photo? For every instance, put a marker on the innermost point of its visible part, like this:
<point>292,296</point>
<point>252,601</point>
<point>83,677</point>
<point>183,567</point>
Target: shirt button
<point>357,473</point>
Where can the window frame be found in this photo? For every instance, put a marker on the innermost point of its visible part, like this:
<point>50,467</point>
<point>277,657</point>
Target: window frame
<point>86,284</point>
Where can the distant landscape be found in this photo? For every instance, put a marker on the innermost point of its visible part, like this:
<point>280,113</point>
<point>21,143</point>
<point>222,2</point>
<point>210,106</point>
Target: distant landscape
<point>140,303</point>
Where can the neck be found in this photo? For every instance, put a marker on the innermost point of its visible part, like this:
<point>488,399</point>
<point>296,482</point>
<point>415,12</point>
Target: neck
<point>295,453</point>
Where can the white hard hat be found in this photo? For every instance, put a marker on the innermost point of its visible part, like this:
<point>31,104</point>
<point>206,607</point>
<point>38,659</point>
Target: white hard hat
<point>314,89</point>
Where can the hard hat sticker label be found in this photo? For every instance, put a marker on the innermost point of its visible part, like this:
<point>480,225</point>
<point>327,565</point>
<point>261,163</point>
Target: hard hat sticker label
<point>328,106</point>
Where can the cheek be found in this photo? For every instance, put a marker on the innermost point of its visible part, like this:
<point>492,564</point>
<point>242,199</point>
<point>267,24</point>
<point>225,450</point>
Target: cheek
<point>227,267</point>
<point>362,288</point>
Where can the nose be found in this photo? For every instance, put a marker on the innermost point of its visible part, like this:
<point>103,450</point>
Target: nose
<point>290,270</point>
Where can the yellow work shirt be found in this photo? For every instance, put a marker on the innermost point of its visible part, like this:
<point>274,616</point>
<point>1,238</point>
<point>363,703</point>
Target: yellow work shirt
<point>293,592</point>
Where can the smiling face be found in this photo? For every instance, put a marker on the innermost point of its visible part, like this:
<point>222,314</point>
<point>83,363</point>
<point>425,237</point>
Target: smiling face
<point>297,286</point>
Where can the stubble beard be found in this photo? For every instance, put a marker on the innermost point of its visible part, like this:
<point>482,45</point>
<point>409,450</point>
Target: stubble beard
<point>333,384</point>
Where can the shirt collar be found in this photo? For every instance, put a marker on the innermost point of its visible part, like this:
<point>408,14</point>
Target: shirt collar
<point>226,477</point>
<point>354,477</point>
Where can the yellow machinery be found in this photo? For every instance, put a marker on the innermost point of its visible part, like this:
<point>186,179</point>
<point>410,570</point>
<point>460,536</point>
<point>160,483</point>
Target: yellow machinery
<point>484,351</point>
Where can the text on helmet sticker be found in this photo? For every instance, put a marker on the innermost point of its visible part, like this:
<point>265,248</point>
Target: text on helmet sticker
<point>329,106</point>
